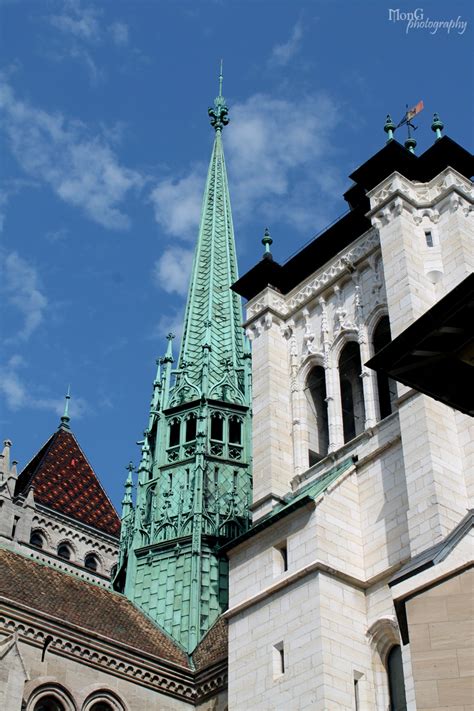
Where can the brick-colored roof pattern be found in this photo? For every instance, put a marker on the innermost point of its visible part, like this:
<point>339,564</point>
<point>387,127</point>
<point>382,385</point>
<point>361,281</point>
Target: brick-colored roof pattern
<point>63,480</point>
<point>213,647</point>
<point>89,606</point>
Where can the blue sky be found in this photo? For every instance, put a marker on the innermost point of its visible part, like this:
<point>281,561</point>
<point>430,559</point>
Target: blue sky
<point>104,141</point>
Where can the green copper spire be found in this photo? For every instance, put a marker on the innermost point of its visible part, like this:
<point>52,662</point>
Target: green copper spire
<point>194,478</point>
<point>65,419</point>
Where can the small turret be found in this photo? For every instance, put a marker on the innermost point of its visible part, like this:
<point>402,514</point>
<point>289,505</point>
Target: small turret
<point>389,128</point>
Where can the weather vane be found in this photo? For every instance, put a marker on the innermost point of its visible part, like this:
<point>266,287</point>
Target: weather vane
<point>410,143</point>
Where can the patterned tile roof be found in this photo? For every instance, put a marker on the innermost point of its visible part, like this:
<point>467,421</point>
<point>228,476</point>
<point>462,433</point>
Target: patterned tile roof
<point>213,647</point>
<point>63,480</point>
<point>77,602</point>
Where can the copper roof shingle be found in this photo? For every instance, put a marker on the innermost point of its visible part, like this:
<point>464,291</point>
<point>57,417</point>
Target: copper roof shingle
<point>63,480</point>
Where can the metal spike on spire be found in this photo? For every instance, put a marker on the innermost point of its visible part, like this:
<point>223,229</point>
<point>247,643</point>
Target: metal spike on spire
<point>219,113</point>
<point>221,78</point>
<point>65,418</point>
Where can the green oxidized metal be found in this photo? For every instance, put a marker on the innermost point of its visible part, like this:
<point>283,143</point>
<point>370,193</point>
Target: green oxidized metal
<point>194,478</point>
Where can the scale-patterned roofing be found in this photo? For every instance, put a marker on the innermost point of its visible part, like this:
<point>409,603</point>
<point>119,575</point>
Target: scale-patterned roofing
<point>63,480</point>
<point>213,311</point>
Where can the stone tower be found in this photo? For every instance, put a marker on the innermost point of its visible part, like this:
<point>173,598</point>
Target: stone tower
<point>194,478</point>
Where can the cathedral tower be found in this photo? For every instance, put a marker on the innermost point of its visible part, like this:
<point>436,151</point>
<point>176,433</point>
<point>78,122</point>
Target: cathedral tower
<point>194,478</point>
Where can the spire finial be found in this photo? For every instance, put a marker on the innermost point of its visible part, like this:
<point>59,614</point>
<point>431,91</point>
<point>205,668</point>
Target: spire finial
<point>389,128</point>
<point>221,78</point>
<point>169,350</point>
<point>267,242</point>
<point>65,418</point>
<point>437,126</point>
<point>219,113</point>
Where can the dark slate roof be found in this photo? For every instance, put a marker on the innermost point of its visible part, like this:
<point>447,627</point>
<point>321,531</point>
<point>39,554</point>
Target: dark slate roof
<point>213,647</point>
<point>77,602</point>
<point>434,354</point>
<point>392,157</point>
<point>63,480</point>
<point>437,553</point>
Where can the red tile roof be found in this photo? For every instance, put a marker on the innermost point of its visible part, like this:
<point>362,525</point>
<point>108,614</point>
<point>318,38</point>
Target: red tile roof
<point>77,602</point>
<point>63,480</point>
<point>213,647</point>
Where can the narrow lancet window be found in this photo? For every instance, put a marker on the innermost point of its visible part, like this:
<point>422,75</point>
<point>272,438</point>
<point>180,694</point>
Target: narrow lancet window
<point>352,392</point>
<point>317,415</point>
<point>191,428</point>
<point>235,430</point>
<point>386,387</point>
<point>217,427</point>
<point>174,433</point>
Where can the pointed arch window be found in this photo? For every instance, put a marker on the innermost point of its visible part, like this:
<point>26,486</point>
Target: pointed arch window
<point>91,562</point>
<point>49,703</point>
<point>191,422</point>
<point>235,430</point>
<point>65,551</point>
<point>37,539</point>
<point>396,681</point>
<point>386,387</point>
<point>174,432</point>
<point>317,415</point>
<point>352,391</point>
<point>217,427</point>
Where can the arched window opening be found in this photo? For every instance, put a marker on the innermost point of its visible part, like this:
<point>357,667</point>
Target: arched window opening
<point>191,428</point>
<point>235,431</point>
<point>386,387</point>
<point>396,681</point>
<point>91,562</point>
<point>64,551</point>
<point>175,427</point>
<point>318,415</point>
<point>49,703</point>
<point>101,706</point>
<point>217,427</point>
<point>150,494</point>
<point>352,392</point>
<point>36,539</point>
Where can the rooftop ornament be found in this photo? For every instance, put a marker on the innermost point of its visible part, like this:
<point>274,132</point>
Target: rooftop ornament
<point>65,418</point>
<point>267,242</point>
<point>219,113</point>
<point>389,128</point>
<point>437,126</point>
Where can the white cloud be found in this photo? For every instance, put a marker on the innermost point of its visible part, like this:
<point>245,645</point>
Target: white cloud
<point>177,204</point>
<point>172,270</point>
<point>79,166</point>
<point>79,21</point>
<point>280,158</point>
<point>119,32</point>
<point>282,53</point>
<point>17,394</point>
<point>20,285</point>
<point>171,322</point>
<point>9,189</point>
<point>81,29</point>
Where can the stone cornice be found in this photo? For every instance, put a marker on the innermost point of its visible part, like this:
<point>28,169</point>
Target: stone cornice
<point>396,194</point>
<point>316,567</point>
<point>272,302</point>
<point>44,513</point>
<point>110,656</point>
